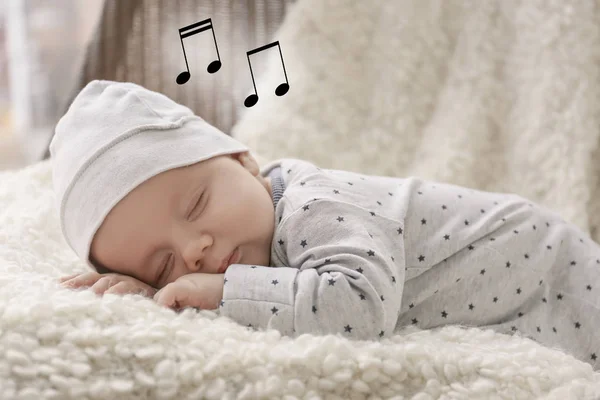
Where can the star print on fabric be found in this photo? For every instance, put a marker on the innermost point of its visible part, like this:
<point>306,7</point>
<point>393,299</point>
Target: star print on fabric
<point>378,202</point>
<point>222,303</point>
<point>303,243</point>
<point>444,314</point>
<point>371,253</point>
<point>460,196</point>
<point>516,232</point>
<point>588,287</point>
<point>381,297</point>
<point>526,255</point>
<point>519,291</point>
<point>274,282</point>
<point>359,270</point>
<point>327,260</point>
<point>371,236</point>
<point>577,325</point>
<point>314,309</point>
<point>350,183</point>
<point>280,242</point>
<point>305,208</point>
<point>336,191</point>
<point>482,211</point>
<point>508,264</point>
<point>348,328</point>
<point>593,356</point>
<point>420,192</point>
<point>331,282</point>
<point>559,296</point>
<point>482,272</point>
<point>390,193</point>
<point>471,247</point>
<point>466,222</point>
<point>393,279</point>
<point>274,310</point>
<point>414,321</point>
<point>372,213</point>
<point>495,299</point>
<point>381,333</point>
<point>520,314</point>
<point>573,263</point>
<point>399,230</point>
<point>471,306</point>
<point>411,305</point>
<point>446,237</point>
<point>444,207</point>
<point>289,170</point>
<point>340,219</point>
<point>421,258</point>
<point>362,296</point>
<point>423,221</point>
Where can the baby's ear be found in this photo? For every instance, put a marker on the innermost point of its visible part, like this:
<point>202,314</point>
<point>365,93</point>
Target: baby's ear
<point>248,162</point>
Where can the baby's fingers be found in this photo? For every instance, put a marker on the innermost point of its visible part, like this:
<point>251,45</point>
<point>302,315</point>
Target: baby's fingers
<point>85,279</point>
<point>168,298</point>
<point>66,278</point>
<point>124,287</point>
<point>102,285</point>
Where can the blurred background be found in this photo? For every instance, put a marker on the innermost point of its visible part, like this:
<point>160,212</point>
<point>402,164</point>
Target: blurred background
<point>41,46</point>
<point>49,50</point>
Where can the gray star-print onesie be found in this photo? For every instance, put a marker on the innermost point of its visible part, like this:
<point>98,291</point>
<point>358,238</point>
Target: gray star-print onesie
<point>365,255</point>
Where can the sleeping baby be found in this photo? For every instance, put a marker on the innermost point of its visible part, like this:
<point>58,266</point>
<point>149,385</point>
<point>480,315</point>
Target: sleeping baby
<point>158,202</point>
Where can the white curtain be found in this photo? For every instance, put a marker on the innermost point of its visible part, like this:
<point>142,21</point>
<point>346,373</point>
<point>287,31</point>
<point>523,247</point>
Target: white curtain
<point>41,45</point>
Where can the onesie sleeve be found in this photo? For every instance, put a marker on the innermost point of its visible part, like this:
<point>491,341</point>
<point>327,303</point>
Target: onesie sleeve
<point>344,274</point>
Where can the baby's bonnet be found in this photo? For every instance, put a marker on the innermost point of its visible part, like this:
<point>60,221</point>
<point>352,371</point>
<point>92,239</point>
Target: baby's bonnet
<point>115,136</point>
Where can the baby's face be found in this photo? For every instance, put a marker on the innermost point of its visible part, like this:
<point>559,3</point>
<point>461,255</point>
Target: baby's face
<point>189,220</point>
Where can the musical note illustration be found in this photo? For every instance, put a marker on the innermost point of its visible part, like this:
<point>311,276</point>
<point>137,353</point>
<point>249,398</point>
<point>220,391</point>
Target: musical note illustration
<point>280,90</point>
<point>213,66</point>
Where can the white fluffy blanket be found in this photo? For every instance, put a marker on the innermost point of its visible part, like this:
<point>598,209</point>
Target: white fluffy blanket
<point>61,344</point>
<point>500,95</point>
<point>468,92</point>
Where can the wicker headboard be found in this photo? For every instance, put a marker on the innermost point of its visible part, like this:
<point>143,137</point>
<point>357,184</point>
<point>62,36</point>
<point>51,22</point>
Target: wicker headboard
<point>138,41</point>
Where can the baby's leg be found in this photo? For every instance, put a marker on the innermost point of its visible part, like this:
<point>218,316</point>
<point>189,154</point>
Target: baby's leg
<point>535,274</point>
<point>566,314</point>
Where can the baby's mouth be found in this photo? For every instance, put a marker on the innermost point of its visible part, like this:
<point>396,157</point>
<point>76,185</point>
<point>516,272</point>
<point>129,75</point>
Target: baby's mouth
<point>234,257</point>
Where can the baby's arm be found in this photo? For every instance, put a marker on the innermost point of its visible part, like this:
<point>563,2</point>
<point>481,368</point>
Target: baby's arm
<point>107,283</point>
<point>345,274</point>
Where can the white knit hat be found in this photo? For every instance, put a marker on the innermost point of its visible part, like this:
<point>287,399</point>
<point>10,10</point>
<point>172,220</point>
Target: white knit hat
<point>114,137</point>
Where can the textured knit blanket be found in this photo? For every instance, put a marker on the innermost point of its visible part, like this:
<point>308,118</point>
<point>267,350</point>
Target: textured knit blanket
<point>488,94</point>
<point>499,95</point>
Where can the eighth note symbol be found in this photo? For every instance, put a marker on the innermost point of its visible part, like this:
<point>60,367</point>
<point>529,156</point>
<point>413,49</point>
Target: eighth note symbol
<point>213,66</point>
<point>280,90</point>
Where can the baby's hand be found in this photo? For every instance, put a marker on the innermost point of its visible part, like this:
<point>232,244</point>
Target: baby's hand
<point>203,291</point>
<point>108,283</point>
